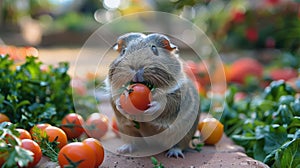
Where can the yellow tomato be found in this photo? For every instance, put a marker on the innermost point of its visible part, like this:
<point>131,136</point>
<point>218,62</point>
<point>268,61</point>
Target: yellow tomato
<point>211,130</point>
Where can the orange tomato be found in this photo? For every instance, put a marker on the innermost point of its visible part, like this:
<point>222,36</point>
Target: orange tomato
<point>35,149</point>
<point>24,134</point>
<point>4,118</point>
<point>137,98</point>
<point>55,133</point>
<point>72,125</point>
<point>96,125</point>
<point>211,130</point>
<point>244,67</point>
<point>76,154</point>
<point>97,148</point>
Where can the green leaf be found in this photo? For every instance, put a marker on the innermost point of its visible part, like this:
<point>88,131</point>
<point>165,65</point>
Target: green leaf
<point>154,160</point>
<point>286,114</point>
<point>243,140</point>
<point>258,150</point>
<point>276,89</point>
<point>199,147</point>
<point>286,99</point>
<point>289,156</point>
<point>264,105</point>
<point>22,103</point>
<point>274,137</point>
<point>270,158</point>
<point>155,163</point>
<point>294,125</point>
<point>1,98</point>
<point>23,156</point>
<point>48,113</point>
<point>261,131</point>
<point>296,107</point>
<point>230,95</point>
<point>297,134</point>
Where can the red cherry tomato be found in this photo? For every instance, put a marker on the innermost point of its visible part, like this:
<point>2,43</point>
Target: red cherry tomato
<point>77,154</point>
<point>55,133</point>
<point>97,148</point>
<point>72,125</point>
<point>24,134</point>
<point>35,149</point>
<point>4,118</point>
<point>96,125</point>
<point>136,98</point>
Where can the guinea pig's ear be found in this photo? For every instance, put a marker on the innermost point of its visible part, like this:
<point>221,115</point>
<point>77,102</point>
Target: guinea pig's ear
<point>125,39</point>
<point>162,41</point>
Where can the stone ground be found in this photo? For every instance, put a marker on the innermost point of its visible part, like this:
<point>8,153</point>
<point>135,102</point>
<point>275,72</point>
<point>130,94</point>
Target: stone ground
<point>223,154</point>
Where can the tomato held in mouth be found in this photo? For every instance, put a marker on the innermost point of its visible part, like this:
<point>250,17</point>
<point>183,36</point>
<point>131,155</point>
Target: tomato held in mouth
<point>136,98</point>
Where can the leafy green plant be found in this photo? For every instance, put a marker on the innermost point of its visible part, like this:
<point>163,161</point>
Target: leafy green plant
<point>10,147</point>
<point>30,95</point>
<point>266,125</point>
<point>49,149</point>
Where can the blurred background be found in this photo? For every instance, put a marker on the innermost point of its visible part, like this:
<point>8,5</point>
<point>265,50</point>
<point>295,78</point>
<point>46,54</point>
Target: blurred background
<point>231,25</point>
<point>265,30</point>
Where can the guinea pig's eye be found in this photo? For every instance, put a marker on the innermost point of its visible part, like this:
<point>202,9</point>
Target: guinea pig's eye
<point>154,50</point>
<point>123,51</point>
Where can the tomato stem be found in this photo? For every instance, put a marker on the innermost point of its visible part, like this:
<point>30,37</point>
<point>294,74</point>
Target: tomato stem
<point>130,90</point>
<point>71,163</point>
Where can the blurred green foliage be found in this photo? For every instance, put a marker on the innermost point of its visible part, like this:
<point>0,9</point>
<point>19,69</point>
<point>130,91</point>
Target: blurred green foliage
<point>266,125</point>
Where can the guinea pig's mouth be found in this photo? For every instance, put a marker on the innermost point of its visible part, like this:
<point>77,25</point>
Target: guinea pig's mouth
<point>147,83</point>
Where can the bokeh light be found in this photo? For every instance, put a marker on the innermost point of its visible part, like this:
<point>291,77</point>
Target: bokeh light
<point>111,4</point>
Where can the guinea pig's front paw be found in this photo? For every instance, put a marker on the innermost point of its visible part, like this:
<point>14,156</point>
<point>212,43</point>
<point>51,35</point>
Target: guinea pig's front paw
<point>154,106</point>
<point>175,152</point>
<point>126,148</point>
<point>118,105</point>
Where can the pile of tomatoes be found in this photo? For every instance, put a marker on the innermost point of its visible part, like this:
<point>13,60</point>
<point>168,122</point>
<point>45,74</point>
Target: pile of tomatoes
<point>87,153</point>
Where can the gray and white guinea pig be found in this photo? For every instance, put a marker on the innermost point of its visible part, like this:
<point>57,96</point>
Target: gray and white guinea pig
<point>154,60</point>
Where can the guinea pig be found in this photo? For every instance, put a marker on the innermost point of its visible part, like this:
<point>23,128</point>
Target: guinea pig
<point>153,60</point>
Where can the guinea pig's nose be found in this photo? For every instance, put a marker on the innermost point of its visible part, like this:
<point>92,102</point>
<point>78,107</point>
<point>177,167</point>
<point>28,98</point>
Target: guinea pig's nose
<point>139,75</point>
